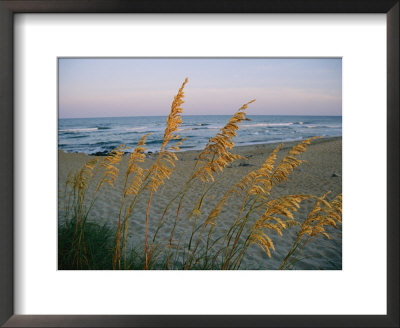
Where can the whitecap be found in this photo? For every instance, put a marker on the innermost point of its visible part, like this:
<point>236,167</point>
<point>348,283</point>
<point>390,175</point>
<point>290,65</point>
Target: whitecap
<point>79,130</point>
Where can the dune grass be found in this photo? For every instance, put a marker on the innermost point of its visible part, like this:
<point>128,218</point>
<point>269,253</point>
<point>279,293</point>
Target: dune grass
<point>84,244</point>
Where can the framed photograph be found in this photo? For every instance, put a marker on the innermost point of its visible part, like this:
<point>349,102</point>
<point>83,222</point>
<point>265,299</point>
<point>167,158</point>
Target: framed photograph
<point>212,174</point>
<point>184,165</point>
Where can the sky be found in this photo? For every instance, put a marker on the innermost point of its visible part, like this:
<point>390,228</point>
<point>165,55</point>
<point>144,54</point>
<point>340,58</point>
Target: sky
<point>114,87</point>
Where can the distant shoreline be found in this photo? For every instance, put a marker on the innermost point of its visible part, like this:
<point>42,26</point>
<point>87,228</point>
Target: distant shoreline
<point>237,147</point>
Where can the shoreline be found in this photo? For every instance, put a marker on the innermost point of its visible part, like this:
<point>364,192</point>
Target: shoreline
<point>236,147</point>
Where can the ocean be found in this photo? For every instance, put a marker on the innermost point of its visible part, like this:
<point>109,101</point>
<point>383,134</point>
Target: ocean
<point>97,136</point>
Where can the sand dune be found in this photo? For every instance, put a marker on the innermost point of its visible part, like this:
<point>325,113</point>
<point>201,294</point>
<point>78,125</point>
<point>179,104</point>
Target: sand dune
<point>322,174</point>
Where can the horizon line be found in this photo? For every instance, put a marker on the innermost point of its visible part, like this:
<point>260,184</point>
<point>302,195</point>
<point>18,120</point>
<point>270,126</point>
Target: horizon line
<point>183,115</point>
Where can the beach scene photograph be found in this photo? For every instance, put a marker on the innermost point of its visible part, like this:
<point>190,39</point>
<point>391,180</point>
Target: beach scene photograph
<point>199,164</point>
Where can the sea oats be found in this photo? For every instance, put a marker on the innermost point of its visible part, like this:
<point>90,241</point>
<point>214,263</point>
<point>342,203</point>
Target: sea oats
<point>256,220</point>
<point>216,154</point>
<point>163,167</point>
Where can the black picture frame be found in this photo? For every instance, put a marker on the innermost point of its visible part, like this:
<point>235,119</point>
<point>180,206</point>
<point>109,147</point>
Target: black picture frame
<point>10,7</point>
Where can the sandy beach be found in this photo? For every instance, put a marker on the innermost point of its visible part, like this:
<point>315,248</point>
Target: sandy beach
<point>323,173</point>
